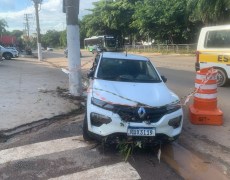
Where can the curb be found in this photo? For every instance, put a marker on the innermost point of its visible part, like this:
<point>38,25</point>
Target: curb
<point>9,133</point>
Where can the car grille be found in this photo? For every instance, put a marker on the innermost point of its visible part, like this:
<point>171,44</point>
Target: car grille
<point>130,114</point>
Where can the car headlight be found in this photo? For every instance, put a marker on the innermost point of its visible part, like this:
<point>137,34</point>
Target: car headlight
<point>102,104</point>
<point>174,106</point>
<point>99,119</point>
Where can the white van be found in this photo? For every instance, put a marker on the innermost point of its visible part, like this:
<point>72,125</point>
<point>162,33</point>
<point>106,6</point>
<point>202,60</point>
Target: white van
<point>213,50</point>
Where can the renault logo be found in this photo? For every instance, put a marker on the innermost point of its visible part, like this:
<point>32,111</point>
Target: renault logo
<point>141,112</point>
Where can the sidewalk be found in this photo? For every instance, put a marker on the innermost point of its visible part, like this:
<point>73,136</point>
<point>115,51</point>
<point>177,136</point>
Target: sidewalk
<point>29,91</point>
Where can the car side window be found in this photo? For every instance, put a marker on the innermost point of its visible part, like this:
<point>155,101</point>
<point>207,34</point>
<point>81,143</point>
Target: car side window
<point>218,39</point>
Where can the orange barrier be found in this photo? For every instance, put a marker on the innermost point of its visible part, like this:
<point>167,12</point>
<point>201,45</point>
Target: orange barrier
<point>204,108</point>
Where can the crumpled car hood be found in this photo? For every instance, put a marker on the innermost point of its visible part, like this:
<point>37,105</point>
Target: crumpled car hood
<point>132,93</point>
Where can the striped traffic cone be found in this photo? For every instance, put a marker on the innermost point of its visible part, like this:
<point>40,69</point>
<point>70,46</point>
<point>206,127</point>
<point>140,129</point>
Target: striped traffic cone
<point>204,108</point>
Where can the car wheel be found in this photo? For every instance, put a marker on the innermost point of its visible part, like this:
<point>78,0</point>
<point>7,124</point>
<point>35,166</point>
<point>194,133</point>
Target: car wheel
<point>86,135</point>
<point>221,77</point>
<point>7,56</point>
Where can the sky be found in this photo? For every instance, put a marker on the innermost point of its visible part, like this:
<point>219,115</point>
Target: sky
<point>50,15</point>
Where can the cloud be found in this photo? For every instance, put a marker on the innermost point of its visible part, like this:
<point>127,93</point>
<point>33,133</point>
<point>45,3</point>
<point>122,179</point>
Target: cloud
<point>15,19</point>
<point>50,15</point>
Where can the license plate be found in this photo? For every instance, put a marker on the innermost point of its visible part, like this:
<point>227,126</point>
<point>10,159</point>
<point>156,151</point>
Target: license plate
<point>140,131</point>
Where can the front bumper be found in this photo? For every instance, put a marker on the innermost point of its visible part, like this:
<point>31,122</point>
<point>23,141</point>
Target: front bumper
<point>119,127</point>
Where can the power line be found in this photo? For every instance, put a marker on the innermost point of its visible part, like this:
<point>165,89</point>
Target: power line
<point>27,18</point>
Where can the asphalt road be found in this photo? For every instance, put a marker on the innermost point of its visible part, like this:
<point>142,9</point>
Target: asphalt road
<point>58,158</point>
<point>181,81</point>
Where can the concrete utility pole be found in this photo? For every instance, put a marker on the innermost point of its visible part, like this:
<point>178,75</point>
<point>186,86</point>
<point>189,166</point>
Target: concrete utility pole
<point>71,7</point>
<point>36,3</point>
<point>27,25</point>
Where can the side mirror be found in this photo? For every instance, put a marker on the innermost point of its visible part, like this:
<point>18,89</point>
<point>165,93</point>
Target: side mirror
<point>164,79</point>
<point>90,74</point>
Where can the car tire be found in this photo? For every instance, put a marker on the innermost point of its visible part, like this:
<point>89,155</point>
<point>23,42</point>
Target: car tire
<point>86,135</point>
<point>221,78</point>
<point>7,56</point>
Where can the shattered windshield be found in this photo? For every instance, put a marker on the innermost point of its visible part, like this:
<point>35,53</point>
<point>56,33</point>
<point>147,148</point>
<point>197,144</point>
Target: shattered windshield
<point>127,71</point>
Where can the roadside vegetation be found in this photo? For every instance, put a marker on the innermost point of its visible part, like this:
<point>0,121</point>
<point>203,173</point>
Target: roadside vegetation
<point>168,22</point>
<point>133,21</point>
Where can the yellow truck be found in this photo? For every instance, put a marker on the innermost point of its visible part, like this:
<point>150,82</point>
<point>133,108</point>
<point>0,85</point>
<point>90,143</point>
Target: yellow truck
<point>213,50</point>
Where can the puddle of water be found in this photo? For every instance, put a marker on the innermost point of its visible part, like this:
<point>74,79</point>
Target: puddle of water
<point>188,165</point>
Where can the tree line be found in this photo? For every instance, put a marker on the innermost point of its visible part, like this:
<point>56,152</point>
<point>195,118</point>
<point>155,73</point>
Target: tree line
<point>165,21</point>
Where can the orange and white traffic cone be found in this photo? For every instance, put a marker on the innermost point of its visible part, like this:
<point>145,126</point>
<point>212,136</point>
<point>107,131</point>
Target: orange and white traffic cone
<point>204,108</point>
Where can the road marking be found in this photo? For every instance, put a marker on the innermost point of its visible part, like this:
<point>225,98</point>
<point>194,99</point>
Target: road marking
<point>41,148</point>
<point>122,170</point>
<point>65,70</point>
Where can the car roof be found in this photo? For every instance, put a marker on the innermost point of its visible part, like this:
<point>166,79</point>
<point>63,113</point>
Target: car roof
<point>221,27</point>
<point>116,55</point>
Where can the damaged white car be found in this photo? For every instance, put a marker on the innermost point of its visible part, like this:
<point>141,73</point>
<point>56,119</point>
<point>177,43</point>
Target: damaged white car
<point>127,98</point>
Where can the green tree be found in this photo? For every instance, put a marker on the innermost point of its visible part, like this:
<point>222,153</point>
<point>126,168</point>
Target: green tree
<point>83,32</point>
<point>174,21</point>
<point>210,12</point>
<point>162,20</point>
<point>51,38</point>
<point>17,33</point>
<point>3,25</point>
<point>63,38</point>
<point>93,23</point>
<point>109,17</point>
